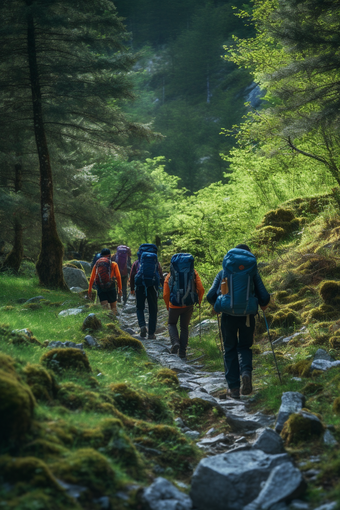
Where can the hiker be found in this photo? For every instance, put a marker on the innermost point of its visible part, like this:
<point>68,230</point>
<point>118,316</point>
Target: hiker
<point>104,275</point>
<point>236,292</point>
<point>123,259</point>
<point>95,258</point>
<point>182,289</point>
<point>145,278</point>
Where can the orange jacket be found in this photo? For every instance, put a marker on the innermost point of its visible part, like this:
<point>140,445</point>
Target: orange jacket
<point>166,291</point>
<point>114,274</point>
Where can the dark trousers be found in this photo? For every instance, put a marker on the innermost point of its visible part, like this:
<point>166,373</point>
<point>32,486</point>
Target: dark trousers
<point>184,314</point>
<point>124,288</point>
<point>238,339</point>
<point>150,293</point>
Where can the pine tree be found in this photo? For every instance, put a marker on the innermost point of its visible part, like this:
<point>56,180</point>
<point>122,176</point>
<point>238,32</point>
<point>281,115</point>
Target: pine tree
<point>64,69</point>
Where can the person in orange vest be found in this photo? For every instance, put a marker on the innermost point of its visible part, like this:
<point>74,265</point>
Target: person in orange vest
<point>104,275</point>
<point>182,289</point>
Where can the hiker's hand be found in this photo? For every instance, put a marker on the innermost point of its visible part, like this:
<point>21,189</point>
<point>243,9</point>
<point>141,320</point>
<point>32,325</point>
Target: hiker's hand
<point>213,311</point>
<point>120,293</point>
<point>264,307</point>
<point>132,293</point>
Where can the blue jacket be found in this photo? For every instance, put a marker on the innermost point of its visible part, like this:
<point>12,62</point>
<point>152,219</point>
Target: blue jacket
<point>260,290</point>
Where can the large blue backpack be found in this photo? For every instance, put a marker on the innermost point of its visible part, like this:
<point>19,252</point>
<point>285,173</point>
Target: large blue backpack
<point>147,274</point>
<point>182,280</point>
<point>239,268</point>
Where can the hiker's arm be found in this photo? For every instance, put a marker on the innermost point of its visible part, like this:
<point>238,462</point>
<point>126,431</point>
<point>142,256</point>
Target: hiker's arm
<point>92,277</point>
<point>166,291</point>
<point>116,273</point>
<point>215,289</point>
<point>261,292</point>
<point>199,287</point>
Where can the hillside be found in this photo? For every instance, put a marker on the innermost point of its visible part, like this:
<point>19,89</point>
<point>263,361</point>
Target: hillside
<point>85,428</point>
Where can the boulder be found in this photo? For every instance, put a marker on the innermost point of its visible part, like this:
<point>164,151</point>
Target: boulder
<point>24,331</point>
<point>192,434</point>
<point>76,290</point>
<point>56,344</point>
<point>302,426</point>
<point>71,311</point>
<point>291,402</point>
<point>322,354</point>
<point>269,441</point>
<point>91,322</point>
<point>90,341</point>
<point>329,439</point>
<point>322,364</point>
<point>162,495</point>
<point>86,266</point>
<point>211,441</point>
<point>285,482</point>
<point>232,480</point>
<point>204,396</point>
<point>75,278</point>
<point>241,421</point>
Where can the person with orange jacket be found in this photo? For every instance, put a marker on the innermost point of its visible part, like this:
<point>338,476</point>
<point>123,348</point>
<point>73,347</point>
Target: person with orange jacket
<point>178,309</point>
<point>104,274</point>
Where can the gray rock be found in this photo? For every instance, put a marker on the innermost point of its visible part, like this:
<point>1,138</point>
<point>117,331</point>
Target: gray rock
<point>74,491</point>
<point>86,266</point>
<point>24,331</point>
<point>291,402</point>
<point>210,441</point>
<point>287,339</point>
<point>212,383</point>
<point>322,354</point>
<point>35,299</point>
<point>162,495</point>
<point>278,341</point>
<point>297,504</point>
<point>70,311</point>
<point>91,322</point>
<point>75,278</point>
<point>179,422</point>
<point>322,364</point>
<point>191,387</point>
<point>241,421</point>
<point>329,439</point>
<point>129,310</point>
<point>285,482</point>
<point>104,502</point>
<point>269,441</point>
<point>76,290</point>
<point>210,431</point>
<point>204,396</point>
<point>90,341</point>
<point>203,327</point>
<point>56,344</point>
<point>130,331</point>
<point>192,434</point>
<point>327,506</point>
<point>230,481</point>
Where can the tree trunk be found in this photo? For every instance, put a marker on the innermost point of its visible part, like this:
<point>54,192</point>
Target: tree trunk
<point>14,258</point>
<point>50,260</point>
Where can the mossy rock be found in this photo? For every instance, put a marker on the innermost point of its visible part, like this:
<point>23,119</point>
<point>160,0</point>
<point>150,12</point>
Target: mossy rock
<point>74,263</point>
<point>320,313</point>
<point>281,295</point>
<point>336,405</point>
<point>298,305</point>
<point>28,470</point>
<point>20,338</point>
<point>43,383</point>
<point>74,396</point>
<point>285,318</point>
<point>119,338</point>
<point>139,404</point>
<point>312,388</point>
<point>91,323</point>
<point>42,448</point>
<point>334,342</point>
<point>32,306</point>
<point>7,364</point>
<point>167,376</point>
<point>301,428</point>
<point>88,468</point>
<point>270,234</point>
<point>299,369</point>
<point>66,358</point>
<point>39,499</point>
<point>277,216</point>
<point>16,405</point>
<point>330,291</point>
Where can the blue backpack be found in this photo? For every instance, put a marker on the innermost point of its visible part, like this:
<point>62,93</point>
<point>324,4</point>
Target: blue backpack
<point>182,280</point>
<point>147,273</point>
<point>239,268</point>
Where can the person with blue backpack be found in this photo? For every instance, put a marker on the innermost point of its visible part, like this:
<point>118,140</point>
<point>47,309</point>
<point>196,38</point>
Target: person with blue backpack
<point>237,292</point>
<point>182,290</point>
<point>145,278</point>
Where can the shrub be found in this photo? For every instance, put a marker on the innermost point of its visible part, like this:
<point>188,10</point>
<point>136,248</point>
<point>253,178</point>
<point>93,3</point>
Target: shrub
<point>66,358</point>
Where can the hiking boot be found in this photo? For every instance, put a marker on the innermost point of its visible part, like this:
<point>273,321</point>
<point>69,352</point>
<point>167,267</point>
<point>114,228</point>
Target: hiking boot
<point>183,356</point>
<point>246,386</point>
<point>233,393</point>
<point>143,331</point>
<point>152,337</point>
<point>174,349</point>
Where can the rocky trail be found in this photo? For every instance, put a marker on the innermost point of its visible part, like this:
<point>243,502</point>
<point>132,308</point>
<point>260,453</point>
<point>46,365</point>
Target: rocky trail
<point>245,469</point>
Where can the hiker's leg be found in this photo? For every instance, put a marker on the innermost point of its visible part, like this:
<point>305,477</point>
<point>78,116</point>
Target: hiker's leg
<point>140,305</point>
<point>153,309</point>
<point>185,317</point>
<point>124,288</point>
<point>172,326</point>
<point>105,304</point>
<point>229,327</point>
<point>246,338</point>
<point>114,307</point>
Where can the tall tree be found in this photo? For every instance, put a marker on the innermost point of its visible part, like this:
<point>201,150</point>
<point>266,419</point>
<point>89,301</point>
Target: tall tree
<point>65,71</point>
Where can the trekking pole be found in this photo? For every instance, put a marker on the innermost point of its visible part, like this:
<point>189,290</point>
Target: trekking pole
<point>270,341</point>
<point>220,333</point>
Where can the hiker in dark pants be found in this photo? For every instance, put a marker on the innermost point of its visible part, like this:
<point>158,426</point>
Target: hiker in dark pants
<point>183,313</point>
<point>145,291</point>
<point>238,326</point>
<point>123,259</point>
